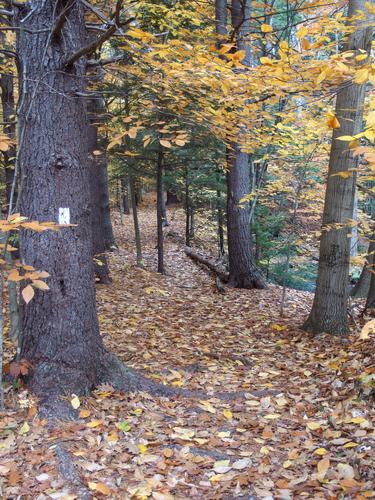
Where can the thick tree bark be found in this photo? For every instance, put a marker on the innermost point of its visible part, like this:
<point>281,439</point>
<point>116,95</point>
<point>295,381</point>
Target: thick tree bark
<point>159,209</point>
<point>329,310</point>
<point>60,333</point>
<point>243,271</point>
<point>172,198</point>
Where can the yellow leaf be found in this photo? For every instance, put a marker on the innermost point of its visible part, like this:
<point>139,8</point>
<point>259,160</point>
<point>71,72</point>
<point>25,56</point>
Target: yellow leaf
<point>142,448</point>
<point>228,414</point>
<point>84,413</point>
<point>225,48</point>
<point>313,426</point>
<point>94,423</point>
<point>321,77</point>
<point>345,174</point>
<point>332,121</point>
<point>28,293</point>
<point>265,60</point>
<point>361,76</point>
<point>351,444</point>
<point>367,329</point>
<point>301,33</point>
<point>321,452</point>
<point>101,487</point>
<point>287,464</point>
<point>75,402</point>
<point>266,28</point>
<point>40,284</point>
<point>207,406</point>
<point>24,428</point>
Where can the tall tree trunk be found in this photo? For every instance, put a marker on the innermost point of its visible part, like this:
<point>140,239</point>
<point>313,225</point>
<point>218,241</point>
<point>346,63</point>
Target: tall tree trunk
<point>159,209</point>
<point>163,207</point>
<point>97,189</point>
<point>362,287</point>
<point>243,272</point>
<point>172,198</point>
<point>370,301</point>
<point>125,205</point>
<point>8,106</point>
<point>220,217</point>
<point>103,184</point>
<point>137,232</point>
<point>60,333</point>
<point>187,208</point>
<point>329,310</point>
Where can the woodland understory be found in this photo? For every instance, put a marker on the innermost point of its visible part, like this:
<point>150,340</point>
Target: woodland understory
<point>257,408</point>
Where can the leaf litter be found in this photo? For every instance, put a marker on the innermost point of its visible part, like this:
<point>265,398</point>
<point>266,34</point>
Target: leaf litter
<point>308,433</point>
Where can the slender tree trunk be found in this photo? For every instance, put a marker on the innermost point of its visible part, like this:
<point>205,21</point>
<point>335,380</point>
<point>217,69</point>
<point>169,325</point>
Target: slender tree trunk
<point>362,287</point>
<point>159,210</point>
<point>103,183</point>
<point>96,165</point>
<point>163,207</point>
<point>329,310</point>
<point>220,218</point>
<point>243,272</point>
<point>138,243</point>
<point>187,209</point>
<point>8,105</point>
<point>370,301</point>
<point>60,333</point>
<point>125,194</point>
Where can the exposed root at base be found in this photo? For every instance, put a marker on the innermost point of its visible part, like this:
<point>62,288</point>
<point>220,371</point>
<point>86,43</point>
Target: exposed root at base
<point>123,378</point>
<point>68,472</point>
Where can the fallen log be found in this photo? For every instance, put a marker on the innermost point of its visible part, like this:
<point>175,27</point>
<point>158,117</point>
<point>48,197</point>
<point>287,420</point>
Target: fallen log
<point>215,268</point>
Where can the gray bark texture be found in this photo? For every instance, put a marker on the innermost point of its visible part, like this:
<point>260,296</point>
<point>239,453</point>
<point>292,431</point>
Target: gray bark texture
<point>60,333</point>
<point>243,272</point>
<point>97,163</point>
<point>329,310</point>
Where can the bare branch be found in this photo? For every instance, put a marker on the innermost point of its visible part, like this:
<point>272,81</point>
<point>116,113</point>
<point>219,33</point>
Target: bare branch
<point>96,44</point>
<point>8,13</point>
<point>97,12</point>
<point>8,53</point>
<point>60,21</point>
<point>366,190</point>
<point>104,62</point>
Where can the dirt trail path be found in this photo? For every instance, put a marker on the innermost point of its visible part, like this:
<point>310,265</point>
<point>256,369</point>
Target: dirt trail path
<point>309,439</point>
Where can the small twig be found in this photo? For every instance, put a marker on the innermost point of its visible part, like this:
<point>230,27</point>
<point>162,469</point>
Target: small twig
<point>366,190</point>
<point>96,44</point>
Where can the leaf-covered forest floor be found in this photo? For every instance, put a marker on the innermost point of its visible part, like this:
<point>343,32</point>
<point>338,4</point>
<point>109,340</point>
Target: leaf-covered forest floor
<point>293,422</point>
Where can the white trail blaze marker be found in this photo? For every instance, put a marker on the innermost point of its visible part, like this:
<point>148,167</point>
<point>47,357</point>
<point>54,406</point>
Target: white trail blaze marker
<point>64,215</point>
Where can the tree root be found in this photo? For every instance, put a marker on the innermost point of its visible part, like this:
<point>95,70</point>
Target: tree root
<point>68,472</point>
<point>123,378</point>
